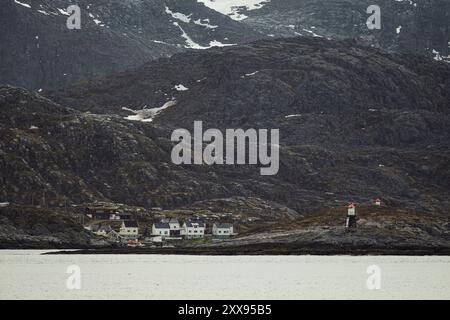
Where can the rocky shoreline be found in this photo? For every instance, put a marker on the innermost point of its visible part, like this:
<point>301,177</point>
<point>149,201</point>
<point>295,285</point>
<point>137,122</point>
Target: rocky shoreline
<point>272,249</point>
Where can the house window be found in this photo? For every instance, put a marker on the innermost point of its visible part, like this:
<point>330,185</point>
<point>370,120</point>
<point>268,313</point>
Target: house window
<point>195,231</point>
<point>190,231</point>
<point>220,231</point>
<point>166,232</point>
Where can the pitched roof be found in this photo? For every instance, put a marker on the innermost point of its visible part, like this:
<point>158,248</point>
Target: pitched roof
<point>105,227</point>
<point>161,225</point>
<point>169,220</point>
<point>130,223</point>
<point>200,223</point>
<point>225,225</point>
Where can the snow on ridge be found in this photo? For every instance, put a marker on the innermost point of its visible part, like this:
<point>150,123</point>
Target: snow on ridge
<point>230,7</point>
<point>147,115</point>
<point>216,43</point>
<point>26,5</point>
<point>293,116</point>
<point>194,45</point>
<point>189,42</point>
<point>206,25</point>
<point>179,16</point>
<point>180,87</point>
<point>187,19</point>
<point>439,57</point>
<point>44,12</point>
<point>63,12</point>
<point>315,35</point>
<point>410,2</point>
<point>251,74</point>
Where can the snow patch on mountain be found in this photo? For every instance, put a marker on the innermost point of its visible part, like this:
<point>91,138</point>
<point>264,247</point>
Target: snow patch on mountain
<point>231,7</point>
<point>194,45</point>
<point>147,115</point>
<point>26,5</point>
<point>205,24</point>
<point>63,12</point>
<point>179,16</point>
<point>180,87</point>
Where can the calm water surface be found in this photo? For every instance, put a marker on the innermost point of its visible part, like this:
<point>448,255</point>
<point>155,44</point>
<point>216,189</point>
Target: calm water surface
<point>26,274</point>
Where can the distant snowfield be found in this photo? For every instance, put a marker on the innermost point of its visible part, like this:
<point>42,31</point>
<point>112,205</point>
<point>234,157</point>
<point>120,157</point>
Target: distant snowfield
<point>230,7</point>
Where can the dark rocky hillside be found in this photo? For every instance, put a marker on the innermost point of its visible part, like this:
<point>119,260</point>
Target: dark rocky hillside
<point>31,227</point>
<point>37,50</point>
<point>354,123</point>
<point>420,27</point>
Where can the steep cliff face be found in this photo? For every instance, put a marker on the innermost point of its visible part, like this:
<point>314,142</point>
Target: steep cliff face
<point>419,27</point>
<point>39,51</point>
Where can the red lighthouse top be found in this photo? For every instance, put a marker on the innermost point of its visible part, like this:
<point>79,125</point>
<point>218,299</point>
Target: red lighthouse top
<point>350,205</point>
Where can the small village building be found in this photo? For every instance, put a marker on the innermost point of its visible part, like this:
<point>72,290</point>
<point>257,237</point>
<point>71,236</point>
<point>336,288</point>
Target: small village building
<point>174,225</point>
<point>101,230</point>
<point>222,230</point>
<point>129,229</point>
<point>114,235</point>
<point>125,216</point>
<point>193,229</point>
<point>102,213</point>
<point>161,229</point>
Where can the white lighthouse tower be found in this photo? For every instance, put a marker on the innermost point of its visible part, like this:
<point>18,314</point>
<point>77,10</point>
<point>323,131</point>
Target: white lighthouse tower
<point>351,216</point>
<point>378,201</point>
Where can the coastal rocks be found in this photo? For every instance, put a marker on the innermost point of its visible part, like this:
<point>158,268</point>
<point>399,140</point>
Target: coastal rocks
<point>37,228</point>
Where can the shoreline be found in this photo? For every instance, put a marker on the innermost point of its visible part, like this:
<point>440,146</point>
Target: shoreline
<point>269,250</point>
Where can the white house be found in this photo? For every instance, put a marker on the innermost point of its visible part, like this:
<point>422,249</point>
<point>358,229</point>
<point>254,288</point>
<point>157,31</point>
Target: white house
<point>129,229</point>
<point>174,226</point>
<point>102,230</point>
<point>161,229</point>
<point>222,230</point>
<point>193,229</point>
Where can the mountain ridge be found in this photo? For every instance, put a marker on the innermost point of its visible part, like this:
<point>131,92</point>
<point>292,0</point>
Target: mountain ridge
<point>395,146</point>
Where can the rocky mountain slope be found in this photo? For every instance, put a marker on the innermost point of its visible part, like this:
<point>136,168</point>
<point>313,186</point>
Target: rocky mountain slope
<point>354,123</point>
<point>30,227</point>
<point>38,50</point>
<point>420,27</point>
